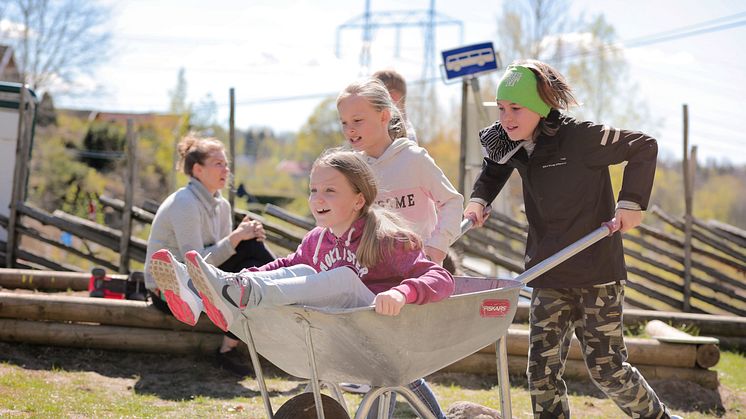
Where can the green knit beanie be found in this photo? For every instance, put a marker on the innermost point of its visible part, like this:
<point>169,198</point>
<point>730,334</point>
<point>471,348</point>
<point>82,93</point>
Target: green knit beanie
<point>518,85</point>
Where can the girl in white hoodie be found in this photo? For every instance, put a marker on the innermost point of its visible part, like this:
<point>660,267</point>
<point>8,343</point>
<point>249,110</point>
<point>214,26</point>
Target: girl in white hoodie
<point>409,181</point>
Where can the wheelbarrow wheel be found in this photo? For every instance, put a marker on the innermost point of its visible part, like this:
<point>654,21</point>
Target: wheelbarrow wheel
<point>303,406</point>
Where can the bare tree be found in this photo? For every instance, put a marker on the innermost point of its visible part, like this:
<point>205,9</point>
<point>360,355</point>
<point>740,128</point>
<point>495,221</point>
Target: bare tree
<point>55,40</point>
<point>588,53</point>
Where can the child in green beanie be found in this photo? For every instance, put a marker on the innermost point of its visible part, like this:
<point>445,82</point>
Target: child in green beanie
<point>563,164</point>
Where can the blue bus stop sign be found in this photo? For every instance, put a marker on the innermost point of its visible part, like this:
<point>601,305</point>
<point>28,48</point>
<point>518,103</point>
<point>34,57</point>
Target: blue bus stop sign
<point>469,60</point>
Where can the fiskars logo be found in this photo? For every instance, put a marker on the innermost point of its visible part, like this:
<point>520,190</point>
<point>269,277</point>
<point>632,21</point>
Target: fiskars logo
<point>512,79</point>
<point>494,308</point>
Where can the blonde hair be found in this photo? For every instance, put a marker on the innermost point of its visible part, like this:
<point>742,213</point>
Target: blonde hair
<point>194,149</point>
<point>393,81</point>
<point>375,92</point>
<point>383,228</point>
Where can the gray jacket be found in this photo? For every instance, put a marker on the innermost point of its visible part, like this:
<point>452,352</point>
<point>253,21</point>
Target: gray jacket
<point>191,219</point>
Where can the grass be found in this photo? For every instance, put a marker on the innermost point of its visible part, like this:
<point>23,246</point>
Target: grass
<point>60,393</point>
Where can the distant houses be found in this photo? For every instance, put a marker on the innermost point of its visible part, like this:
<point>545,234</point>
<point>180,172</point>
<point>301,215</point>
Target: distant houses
<point>8,68</point>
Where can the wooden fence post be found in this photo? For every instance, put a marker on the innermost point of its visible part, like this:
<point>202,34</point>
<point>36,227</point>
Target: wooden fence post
<point>129,190</point>
<point>688,186</point>
<point>232,148</point>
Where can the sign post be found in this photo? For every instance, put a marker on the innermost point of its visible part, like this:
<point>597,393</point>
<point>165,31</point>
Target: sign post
<point>467,63</point>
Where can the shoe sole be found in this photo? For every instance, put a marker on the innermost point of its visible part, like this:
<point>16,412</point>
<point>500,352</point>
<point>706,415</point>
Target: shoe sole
<point>164,274</point>
<point>217,310</point>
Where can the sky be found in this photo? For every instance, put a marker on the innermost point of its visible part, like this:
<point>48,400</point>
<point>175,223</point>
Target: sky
<point>279,56</point>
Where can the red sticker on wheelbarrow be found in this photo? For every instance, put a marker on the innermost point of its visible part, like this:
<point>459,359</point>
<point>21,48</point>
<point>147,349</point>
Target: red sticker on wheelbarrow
<point>494,308</point>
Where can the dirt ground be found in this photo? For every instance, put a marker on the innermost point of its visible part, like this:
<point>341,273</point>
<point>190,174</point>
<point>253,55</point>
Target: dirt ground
<point>170,377</point>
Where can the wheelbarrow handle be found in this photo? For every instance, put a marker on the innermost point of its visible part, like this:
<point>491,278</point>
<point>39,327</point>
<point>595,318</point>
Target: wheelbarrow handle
<point>468,222</point>
<point>607,229</point>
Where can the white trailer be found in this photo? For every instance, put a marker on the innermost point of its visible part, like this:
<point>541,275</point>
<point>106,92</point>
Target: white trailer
<point>11,132</point>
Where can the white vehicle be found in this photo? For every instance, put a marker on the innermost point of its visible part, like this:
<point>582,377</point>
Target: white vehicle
<point>9,115</point>
<point>476,57</point>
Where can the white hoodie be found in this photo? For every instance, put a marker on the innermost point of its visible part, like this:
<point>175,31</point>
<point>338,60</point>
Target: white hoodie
<point>410,183</point>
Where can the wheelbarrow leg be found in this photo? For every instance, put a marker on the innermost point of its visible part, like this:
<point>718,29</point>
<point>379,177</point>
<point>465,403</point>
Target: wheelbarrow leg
<point>503,378</point>
<point>257,368</point>
<point>378,392</point>
<point>314,373</point>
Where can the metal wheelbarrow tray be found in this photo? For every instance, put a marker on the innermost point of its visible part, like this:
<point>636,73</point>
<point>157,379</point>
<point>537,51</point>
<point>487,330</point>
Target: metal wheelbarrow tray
<point>357,345</point>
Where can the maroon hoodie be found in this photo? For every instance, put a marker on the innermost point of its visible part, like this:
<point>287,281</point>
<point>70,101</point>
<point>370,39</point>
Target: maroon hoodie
<point>407,271</point>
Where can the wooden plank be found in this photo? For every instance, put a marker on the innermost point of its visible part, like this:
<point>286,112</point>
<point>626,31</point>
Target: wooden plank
<point>138,213</point>
<point>731,293</point>
<point>270,226</point>
<point>732,233</point>
<point>32,233</point>
<point>296,220</point>
<point>678,244</point>
<point>719,245</point>
<point>712,272</point>
<point>85,229</point>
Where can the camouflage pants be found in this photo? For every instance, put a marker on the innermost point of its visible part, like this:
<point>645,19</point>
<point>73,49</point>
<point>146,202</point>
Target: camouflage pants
<point>595,314</point>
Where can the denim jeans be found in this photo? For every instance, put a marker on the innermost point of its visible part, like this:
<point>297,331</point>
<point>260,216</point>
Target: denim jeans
<point>423,392</point>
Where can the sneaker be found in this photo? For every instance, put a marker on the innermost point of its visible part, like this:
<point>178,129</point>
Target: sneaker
<point>218,292</point>
<point>355,388</point>
<point>172,279</point>
<point>234,362</point>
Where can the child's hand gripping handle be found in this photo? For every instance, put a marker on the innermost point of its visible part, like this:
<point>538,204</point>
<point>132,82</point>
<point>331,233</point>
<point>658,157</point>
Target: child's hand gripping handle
<point>470,220</point>
<point>606,230</point>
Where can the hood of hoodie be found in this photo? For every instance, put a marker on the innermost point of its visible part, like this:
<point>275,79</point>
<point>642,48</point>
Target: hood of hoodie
<point>396,147</point>
<point>331,251</point>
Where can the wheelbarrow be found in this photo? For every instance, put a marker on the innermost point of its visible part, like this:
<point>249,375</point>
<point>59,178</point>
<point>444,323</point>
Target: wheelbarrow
<point>331,345</point>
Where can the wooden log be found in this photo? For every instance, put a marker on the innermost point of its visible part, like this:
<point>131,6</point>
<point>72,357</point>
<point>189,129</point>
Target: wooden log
<point>707,324</point>
<point>708,353</point>
<point>107,337</point>
<point>485,364</point>
<point>640,351</point>
<point>47,280</point>
<point>93,310</point>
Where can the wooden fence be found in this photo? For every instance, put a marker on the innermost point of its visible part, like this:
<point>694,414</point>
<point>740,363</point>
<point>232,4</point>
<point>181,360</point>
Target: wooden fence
<point>654,257</point>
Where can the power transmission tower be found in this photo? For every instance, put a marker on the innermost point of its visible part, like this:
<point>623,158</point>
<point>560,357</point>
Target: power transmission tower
<point>370,21</point>
<point>428,20</point>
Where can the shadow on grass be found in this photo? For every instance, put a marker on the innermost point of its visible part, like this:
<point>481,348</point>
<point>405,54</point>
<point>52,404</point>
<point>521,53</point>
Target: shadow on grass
<point>169,377</point>
<point>683,396</point>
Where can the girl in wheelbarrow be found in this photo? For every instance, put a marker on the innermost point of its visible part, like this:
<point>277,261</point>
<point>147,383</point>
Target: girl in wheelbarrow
<point>360,254</point>
<point>563,164</point>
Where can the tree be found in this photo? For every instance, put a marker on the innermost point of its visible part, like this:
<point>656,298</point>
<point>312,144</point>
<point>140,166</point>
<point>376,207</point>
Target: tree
<point>56,41</point>
<point>177,96</point>
<point>321,131</point>
<point>590,58</point>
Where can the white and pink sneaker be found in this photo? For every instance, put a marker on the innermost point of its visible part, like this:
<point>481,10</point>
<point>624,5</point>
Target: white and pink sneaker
<point>172,279</point>
<point>220,291</point>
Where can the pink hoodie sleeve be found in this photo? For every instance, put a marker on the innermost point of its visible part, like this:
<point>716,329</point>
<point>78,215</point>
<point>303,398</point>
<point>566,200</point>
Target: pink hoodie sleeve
<point>425,281</point>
